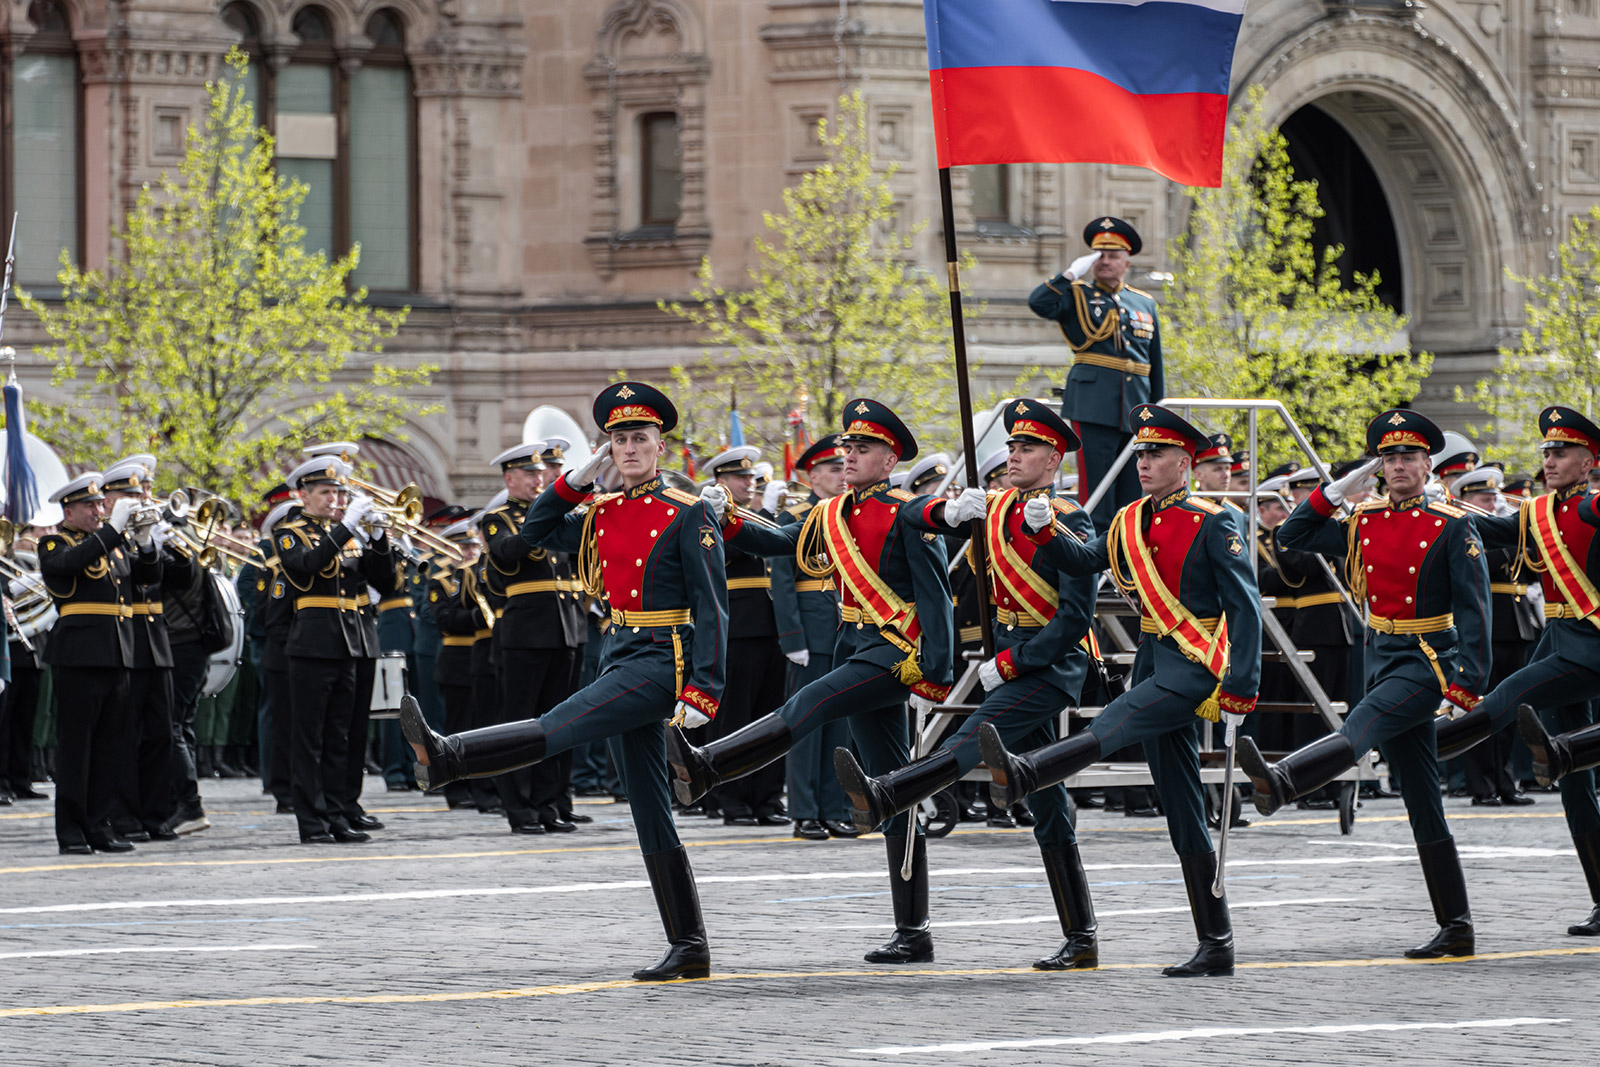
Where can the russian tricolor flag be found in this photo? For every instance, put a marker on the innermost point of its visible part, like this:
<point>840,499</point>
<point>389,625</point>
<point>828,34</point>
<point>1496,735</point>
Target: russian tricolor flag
<point>1083,81</point>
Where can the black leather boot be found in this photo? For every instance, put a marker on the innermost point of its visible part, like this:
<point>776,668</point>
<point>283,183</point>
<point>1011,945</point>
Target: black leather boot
<point>912,941</point>
<point>1016,776</point>
<point>1556,756</point>
<point>1456,736</point>
<point>481,753</point>
<point>695,771</point>
<point>1214,957</point>
<point>688,951</point>
<point>1069,885</point>
<point>1588,846</point>
<point>1300,772</point>
<point>873,801</point>
<point>1447,888</point>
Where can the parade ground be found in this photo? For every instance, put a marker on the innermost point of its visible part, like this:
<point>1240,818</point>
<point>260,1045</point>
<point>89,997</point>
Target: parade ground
<point>449,941</point>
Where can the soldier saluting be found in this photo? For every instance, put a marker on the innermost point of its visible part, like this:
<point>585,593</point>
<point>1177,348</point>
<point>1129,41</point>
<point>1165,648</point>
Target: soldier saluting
<point>1420,569</point>
<point>1115,336</point>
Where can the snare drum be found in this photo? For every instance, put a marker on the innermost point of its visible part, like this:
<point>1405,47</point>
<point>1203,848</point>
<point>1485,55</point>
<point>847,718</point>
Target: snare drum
<point>224,663</point>
<point>389,682</point>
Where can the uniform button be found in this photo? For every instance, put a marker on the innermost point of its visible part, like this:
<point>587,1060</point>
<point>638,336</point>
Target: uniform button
<point>1422,544</point>
<point>1386,513</point>
<point>858,625</point>
<point>1415,512</point>
<point>1363,522</point>
<point>1374,600</point>
<point>1158,520</point>
<point>635,593</point>
<point>1408,600</point>
<point>635,629</point>
<point>1438,522</point>
<point>1563,509</point>
<point>1413,570</point>
<point>1197,518</point>
<point>605,563</point>
<point>638,563</point>
<point>602,532</point>
<point>671,512</point>
<point>1366,540</point>
<point>857,511</point>
<point>649,500</point>
<point>1369,568</point>
<point>653,533</point>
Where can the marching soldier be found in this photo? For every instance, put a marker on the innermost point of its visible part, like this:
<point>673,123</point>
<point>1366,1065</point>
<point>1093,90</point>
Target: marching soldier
<point>328,564</point>
<point>1115,335</point>
<point>253,583</point>
<point>1186,561</point>
<point>91,567</point>
<point>1554,534</point>
<point>536,638</point>
<point>807,612</point>
<point>757,670</point>
<point>656,555</point>
<point>1213,466</point>
<point>1420,570</point>
<point>1041,617</point>
<point>896,643</point>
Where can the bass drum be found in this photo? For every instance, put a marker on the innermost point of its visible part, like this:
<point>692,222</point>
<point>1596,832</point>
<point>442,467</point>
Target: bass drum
<point>225,661</point>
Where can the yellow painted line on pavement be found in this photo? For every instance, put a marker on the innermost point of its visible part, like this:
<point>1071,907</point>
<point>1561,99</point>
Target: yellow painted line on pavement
<point>30,815</point>
<point>574,988</point>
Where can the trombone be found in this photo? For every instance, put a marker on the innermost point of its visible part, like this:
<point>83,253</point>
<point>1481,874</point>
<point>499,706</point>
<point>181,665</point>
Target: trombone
<point>208,515</point>
<point>401,510</point>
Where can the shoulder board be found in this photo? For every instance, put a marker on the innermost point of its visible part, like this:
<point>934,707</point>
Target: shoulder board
<point>290,524</point>
<point>1372,505</point>
<point>799,510</point>
<point>502,509</point>
<point>682,496</point>
<point>1203,504</point>
<point>901,494</point>
<point>1454,511</point>
<point>1141,292</point>
<point>603,498</point>
<point>1065,506</point>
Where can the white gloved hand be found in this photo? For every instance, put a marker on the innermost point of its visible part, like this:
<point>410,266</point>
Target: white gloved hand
<point>359,509</point>
<point>971,504</point>
<point>592,469</point>
<point>1037,514</point>
<point>1335,492</point>
<point>120,513</point>
<point>1233,722</point>
<point>922,705</point>
<point>161,534</point>
<point>1081,266</point>
<point>16,587</point>
<point>801,658</point>
<point>989,674</point>
<point>771,495</point>
<point>144,538</point>
<point>687,716</point>
<point>716,498</point>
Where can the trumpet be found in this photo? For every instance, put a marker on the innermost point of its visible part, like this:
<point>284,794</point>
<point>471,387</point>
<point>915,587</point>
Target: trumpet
<point>401,510</point>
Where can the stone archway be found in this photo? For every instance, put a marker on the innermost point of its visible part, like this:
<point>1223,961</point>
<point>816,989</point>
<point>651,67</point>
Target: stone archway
<point>1452,168</point>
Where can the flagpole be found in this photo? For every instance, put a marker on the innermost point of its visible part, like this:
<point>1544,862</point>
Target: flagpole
<point>958,329</point>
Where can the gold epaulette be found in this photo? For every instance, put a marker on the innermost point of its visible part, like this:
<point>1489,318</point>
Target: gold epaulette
<point>1131,289</point>
<point>680,495</point>
<point>901,495</point>
<point>1372,505</point>
<point>1453,511</point>
<point>1205,505</point>
<point>603,498</point>
<point>1065,506</point>
<point>799,510</point>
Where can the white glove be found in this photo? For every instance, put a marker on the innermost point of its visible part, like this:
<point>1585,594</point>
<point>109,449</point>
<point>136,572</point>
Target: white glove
<point>716,498</point>
<point>922,705</point>
<point>1233,722</point>
<point>688,716</point>
<point>1335,492</point>
<point>1037,514</point>
<point>989,674</point>
<point>120,512</point>
<point>144,539</point>
<point>593,469</point>
<point>1081,266</point>
<point>771,495</point>
<point>16,587</point>
<point>161,534</point>
<point>971,504</point>
<point>359,509</point>
<point>801,658</point>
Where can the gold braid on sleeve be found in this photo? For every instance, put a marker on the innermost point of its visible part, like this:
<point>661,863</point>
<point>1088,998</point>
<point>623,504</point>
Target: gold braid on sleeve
<point>1117,555</point>
<point>1355,575</point>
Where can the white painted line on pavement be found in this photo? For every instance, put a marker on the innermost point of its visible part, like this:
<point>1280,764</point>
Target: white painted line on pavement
<point>1151,1037</point>
<point>149,948</point>
<point>1030,919</point>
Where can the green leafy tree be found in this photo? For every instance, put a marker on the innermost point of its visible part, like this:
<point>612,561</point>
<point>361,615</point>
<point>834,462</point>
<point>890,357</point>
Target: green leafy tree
<point>218,341</point>
<point>836,307</point>
<point>1255,310</point>
<point>1557,358</point>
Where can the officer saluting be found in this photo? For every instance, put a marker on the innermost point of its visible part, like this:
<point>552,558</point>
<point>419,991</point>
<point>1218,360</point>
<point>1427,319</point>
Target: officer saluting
<point>1115,336</point>
<point>91,570</point>
<point>655,554</point>
<point>328,566</point>
<point>1185,559</point>
<point>1042,617</point>
<point>1420,569</point>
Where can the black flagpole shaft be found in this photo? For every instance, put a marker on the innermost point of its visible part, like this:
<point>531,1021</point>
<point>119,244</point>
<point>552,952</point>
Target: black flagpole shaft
<point>958,329</point>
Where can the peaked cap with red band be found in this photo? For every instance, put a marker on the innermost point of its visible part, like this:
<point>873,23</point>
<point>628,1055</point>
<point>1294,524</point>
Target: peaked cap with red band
<point>1156,427</point>
<point>1034,420</point>
<point>1398,430</point>
<point>1241,462</point>
<point>1219,450</point>
<point>1563,426</point>
<point>629,405</point>
<point>826,450</point>
<point>867,420</point>
<point>1110,233</point>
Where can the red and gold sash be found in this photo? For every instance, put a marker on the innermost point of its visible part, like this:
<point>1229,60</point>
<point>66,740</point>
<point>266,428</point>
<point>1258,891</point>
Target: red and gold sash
<point>1172,619</point>
<point>1565,572</point>
<point>1012,574</point>
<point>895,619</point>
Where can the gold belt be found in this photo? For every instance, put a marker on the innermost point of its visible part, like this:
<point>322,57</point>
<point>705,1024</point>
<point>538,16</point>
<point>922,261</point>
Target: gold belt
<point>393,602</point>
<point>482,635</point>
<point>459,640</point>
<point>812,585</point>
<point>1002,617</point>
<point>670,617</point>
<point>541,585</point>
<point>120,611</point>
<point>499,613</point>
<point>1509,588</point>
<point>152,607</point>
<point>1551,611</point>
<point>1431,625</point>
<point>1126,366</point>
<point>333,603</point>
<point>969,634</point>
<point>1315,600</point>
<point>1147,625</point>
<point>750,583</point>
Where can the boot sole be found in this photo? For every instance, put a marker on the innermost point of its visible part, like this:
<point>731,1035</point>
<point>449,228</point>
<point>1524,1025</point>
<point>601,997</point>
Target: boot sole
<point>414,728</point>
<point>1075,965</point>
<point>683,786</point>
<point>1537,739</point>
<point>854,782</point>
<point>676,976</point>
<point>1259,772</point>
<point>998,760</point>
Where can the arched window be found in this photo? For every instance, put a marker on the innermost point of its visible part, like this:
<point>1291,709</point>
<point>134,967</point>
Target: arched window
<point>382,164</point>
<point>245,20</point>
<point>307,98</point>
<point>44,178</point>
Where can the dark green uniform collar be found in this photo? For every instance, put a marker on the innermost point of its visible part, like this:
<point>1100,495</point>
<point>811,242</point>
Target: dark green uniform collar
<point>875,489</point>
<point>1170,499</point>
<point>1039,491</point>
<point>1420,500</point>
<point>651,486</point>
<point>1577,489</point>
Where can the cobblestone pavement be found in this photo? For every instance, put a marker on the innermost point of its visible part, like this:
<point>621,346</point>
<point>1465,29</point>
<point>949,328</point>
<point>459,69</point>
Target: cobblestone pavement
<point>449,941</point>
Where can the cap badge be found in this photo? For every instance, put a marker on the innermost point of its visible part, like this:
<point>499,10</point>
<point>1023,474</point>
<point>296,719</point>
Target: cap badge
<point>1397,419</point>
<point>1106,224</point>
<point>1144,413</point>
<point>1022,408</point>
<point>862,409</point>
<point>625,392</point>
<point>1555,416</point>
